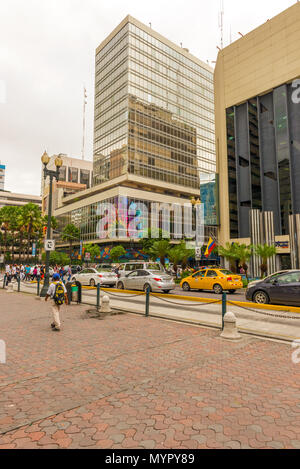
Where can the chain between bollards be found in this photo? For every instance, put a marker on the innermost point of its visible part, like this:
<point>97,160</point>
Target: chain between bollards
<point>147,302</point>
<point>224,306</point>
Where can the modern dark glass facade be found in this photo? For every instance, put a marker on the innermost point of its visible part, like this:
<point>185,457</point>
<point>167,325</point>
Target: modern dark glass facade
<point>263,148</point>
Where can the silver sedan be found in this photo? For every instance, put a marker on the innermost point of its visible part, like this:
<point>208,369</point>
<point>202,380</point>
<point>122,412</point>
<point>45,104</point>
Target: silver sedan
<point>157,280</point>
<point>92,277</point>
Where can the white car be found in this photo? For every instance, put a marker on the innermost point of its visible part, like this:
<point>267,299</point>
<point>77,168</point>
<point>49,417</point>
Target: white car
<point>93,277</point>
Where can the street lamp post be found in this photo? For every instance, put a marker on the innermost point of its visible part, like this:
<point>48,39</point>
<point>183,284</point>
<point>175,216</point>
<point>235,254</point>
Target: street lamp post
<point>52,175</point>
<point>194,203</point>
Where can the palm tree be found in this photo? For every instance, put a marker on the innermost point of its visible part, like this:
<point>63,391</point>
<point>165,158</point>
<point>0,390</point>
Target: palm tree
<point>70,234</point>
<point>265,252</point>
<point>32,218</point>
<point>229,253</point>
<point>160,249</point>
<point>54,222</point>
<point>243,253</point>
<point>147,242</point>
<point>6,217</point>
<point>21,228</point>
<point>176,255</point>
<point>180,254</point>
<point>13,228</point>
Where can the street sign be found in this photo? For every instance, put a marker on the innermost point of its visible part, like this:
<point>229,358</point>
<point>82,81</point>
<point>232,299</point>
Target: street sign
<point>49,245</point>
<point>198,253</point>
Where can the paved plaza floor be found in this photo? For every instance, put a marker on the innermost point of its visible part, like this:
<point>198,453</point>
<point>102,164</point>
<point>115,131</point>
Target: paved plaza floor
<point>135,382</point>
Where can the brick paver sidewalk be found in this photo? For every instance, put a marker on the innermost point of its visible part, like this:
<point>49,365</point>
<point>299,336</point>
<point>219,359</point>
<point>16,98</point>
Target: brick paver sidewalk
<point>133,382</point>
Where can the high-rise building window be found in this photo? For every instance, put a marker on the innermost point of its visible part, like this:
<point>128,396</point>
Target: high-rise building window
<point>232,183</point>
<point>283,155</point>
<point>73,175</point>
<point>85,177</point>
<point>254,154</point>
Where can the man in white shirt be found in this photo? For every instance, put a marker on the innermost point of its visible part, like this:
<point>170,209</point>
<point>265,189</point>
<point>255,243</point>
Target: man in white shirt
<point>58,293</point>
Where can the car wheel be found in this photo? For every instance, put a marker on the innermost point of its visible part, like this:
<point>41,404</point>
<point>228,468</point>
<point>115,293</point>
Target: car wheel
<point>120,286</point>
<point>92,283</point>
<point>186,287</point>
<point>261,298</point>
<point>146,286</point>
<point>232,292</point>
<point>218,289</point>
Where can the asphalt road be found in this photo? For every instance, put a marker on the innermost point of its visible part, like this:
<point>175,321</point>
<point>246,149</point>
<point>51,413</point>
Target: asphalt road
<point>238,296</point>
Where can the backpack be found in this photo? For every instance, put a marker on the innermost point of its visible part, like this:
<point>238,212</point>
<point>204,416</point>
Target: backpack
<point>59,294</point>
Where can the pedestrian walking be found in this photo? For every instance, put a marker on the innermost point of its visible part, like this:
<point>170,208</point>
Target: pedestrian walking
<point>58,293</point>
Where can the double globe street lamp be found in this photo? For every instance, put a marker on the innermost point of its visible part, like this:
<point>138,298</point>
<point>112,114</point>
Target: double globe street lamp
<point>52,174</point>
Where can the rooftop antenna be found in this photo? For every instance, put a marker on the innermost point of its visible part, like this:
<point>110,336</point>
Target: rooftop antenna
<point>83,129</point>
<point>221,22</point>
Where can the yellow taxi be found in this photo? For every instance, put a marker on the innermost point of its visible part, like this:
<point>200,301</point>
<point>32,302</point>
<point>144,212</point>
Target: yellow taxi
<point>216,280</point>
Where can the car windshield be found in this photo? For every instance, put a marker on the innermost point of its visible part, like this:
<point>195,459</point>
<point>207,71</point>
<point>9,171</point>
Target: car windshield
<point>155,267</point>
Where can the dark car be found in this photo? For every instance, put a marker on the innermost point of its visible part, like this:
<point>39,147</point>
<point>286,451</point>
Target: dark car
<point>281,288</point>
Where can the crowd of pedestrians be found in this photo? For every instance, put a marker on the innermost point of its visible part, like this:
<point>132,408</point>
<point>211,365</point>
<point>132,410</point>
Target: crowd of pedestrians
<point>27,273</point>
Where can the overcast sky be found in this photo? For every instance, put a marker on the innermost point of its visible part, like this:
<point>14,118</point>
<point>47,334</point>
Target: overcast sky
<point>47,55</point>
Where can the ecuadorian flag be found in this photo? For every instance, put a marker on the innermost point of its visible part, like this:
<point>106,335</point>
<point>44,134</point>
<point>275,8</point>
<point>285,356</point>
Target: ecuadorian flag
<point>210,247</point>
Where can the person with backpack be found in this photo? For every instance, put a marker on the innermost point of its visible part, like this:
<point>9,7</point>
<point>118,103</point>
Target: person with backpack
<point>58,293</point>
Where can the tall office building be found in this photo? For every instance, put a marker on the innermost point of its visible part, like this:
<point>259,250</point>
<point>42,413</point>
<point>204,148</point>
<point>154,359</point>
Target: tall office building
<point>153,129</point>
<point>2,176</point>
<point>155,100</point>
<point>257,95</point>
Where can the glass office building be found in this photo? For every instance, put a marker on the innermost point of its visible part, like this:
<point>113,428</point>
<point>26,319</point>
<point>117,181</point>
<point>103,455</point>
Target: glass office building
<point>153,132</point>
<point>263,147</point>
<point>154,109</point>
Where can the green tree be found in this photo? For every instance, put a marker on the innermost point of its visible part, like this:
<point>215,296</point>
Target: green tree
<point>179,254</point>
<point>229,252</point>
<point>70,234</point>
<point>13,228</point>
<point>33,222</point>
<point>147,243</point>
<point>243,254</point>
<point>116,253</point>
<point>57,258</point>
<point>93,250</point>
<point>54,222</point>
<point>265,252</point>
<point>6,214</point>
<point>160,249</point>
<point>21,228</point>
